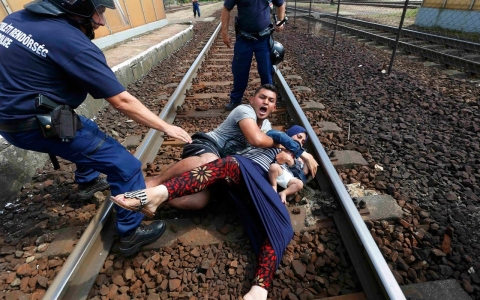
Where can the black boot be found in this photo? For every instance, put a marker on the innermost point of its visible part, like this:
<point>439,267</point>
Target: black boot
<point>230,106</point>
<point>86,190</point>
<point>144,235</point>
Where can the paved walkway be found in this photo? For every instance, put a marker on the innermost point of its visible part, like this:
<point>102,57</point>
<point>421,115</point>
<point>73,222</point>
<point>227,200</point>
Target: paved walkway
<point>178,21</point>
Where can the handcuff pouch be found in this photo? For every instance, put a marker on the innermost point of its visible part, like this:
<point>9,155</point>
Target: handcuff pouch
<point>46,125</point>
<point>66,122</point>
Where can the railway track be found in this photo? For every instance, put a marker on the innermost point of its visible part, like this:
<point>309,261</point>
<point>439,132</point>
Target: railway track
<point>92,248</point>
<point>172,9</point>
<point>447,52</point>
<point>185,102</point>
<point>183,7</point>
<point>388,4</point>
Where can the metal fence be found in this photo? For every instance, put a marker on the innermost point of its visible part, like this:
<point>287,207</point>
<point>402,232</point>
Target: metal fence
<point>445,32</point>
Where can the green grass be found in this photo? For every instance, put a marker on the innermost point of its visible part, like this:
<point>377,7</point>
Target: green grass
<point>411,13</point>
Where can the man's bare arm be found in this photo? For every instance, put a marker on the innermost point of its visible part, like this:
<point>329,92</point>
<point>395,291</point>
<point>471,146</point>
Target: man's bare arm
<point>254,135</point>
<point>225,24</point>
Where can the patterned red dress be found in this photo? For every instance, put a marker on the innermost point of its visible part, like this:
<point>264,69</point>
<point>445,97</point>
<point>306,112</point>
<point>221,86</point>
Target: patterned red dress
<point>265,219</point>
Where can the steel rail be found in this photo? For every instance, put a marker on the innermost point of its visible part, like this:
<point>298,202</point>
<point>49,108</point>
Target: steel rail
<point>362,2</point>
<point>99,232</point>
<point>460,63</point>
<point>154,136</point>
<point>376,277</point>
<point>396,4</point>
<point>386,5</point>
<point>447,59</point>
<point>451,42</point>
<point>70,268</point>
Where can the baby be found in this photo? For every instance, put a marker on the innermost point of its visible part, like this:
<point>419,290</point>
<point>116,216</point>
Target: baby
<point>288,172</point>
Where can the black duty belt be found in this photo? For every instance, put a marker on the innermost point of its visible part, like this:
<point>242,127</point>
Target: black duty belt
<point>24,125</point>
<point>255,36</point>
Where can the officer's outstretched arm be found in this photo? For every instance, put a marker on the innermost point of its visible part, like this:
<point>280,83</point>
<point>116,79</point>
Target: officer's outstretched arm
<point>135,110</point>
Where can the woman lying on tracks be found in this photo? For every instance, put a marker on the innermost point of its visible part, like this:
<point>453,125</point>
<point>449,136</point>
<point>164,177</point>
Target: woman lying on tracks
<point>245,127</point>
<point>263,214</point>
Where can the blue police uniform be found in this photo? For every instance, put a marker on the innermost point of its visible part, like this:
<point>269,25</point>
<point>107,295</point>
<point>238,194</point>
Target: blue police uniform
<point>53,57</point>
<point>196,9</point>
<point>253,17</point>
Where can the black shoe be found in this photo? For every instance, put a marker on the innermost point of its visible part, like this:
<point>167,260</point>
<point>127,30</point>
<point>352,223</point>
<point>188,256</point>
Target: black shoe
<point>230,106</point>
<point>86,190</point>
<point>144,235</point>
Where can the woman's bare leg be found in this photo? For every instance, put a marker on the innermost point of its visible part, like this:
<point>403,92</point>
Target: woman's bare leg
<point>191,202</point>
<point>177,169</point>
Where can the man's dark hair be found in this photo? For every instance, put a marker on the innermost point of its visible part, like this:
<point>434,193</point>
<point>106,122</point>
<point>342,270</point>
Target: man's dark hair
<point>269,87</point>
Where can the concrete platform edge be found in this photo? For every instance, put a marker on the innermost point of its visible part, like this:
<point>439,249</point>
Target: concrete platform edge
<point>17,166</point>
<point>119,37</point>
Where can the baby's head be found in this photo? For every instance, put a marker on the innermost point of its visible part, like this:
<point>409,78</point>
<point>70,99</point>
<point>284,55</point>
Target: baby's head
<point>298,133</point>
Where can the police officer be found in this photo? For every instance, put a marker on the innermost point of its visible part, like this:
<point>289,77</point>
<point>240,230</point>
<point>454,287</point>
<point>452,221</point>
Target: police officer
<point>196,8</point>
<point>252,36</point>
<point>46,54</point>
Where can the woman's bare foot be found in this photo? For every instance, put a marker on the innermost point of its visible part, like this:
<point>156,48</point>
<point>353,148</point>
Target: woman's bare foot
<point>155,196</point>
<point>149,183</point>
<point>256,293</point>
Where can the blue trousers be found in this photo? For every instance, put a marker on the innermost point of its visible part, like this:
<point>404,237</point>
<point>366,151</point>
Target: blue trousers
<point>196,9</point>
<point>242,60</point>
<point>93,152</point>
